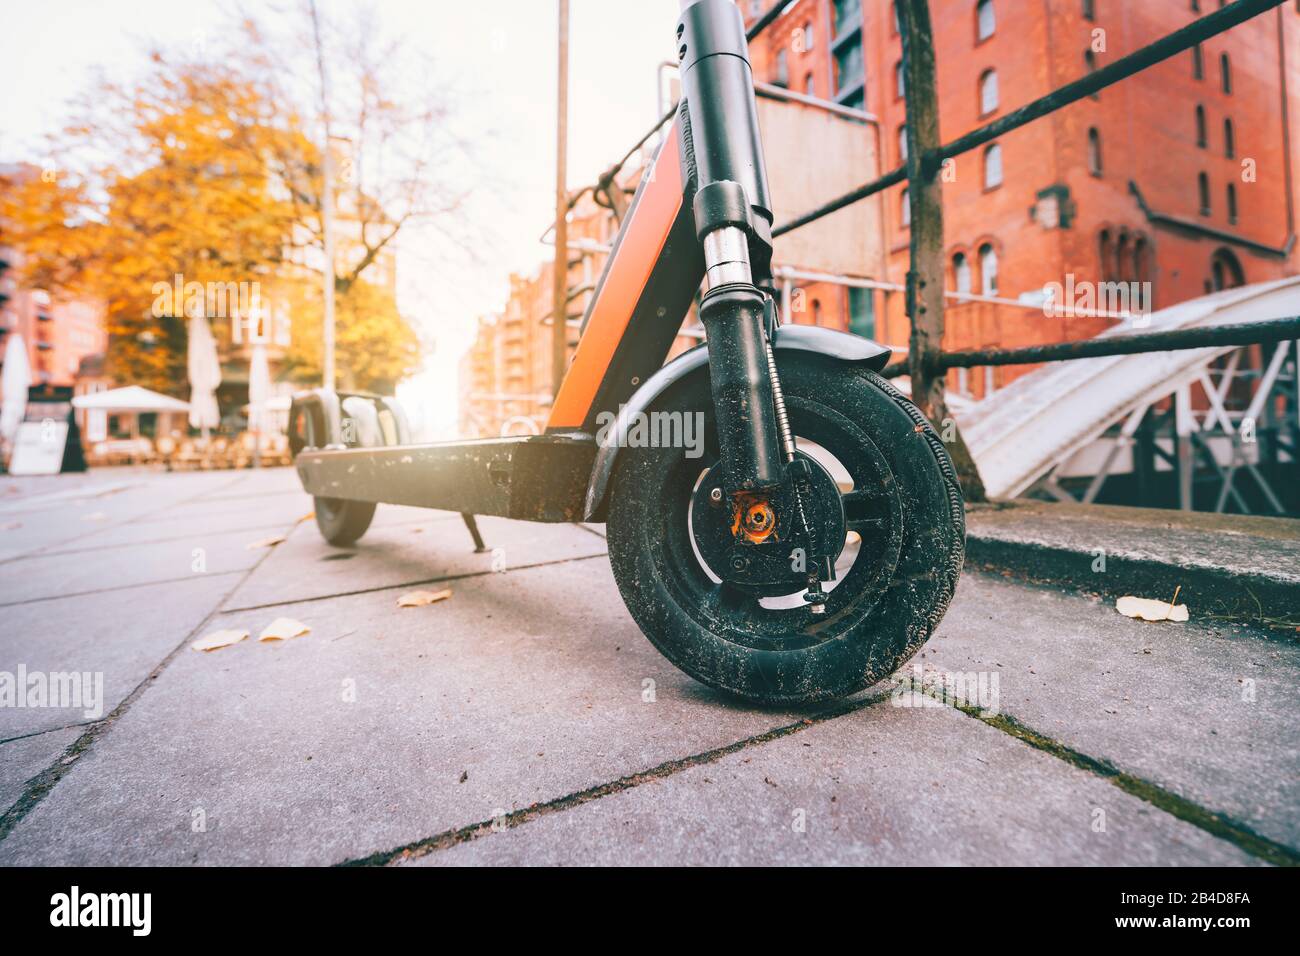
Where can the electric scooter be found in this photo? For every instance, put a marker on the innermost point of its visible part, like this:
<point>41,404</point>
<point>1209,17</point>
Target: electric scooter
<point>815,543</point>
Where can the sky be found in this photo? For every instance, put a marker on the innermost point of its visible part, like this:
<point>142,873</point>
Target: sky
<point>501,55</point>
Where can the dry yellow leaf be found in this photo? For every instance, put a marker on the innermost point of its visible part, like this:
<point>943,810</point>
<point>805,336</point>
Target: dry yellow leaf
<point>421,598</point>
<point>283,628</point>
<point>307,517</point>
<point>218,639</point>
<point>270,542</point>
<point>1149,609</point>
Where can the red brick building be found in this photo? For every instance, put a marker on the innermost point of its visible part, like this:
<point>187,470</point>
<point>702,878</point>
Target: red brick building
<point>1183,176</point>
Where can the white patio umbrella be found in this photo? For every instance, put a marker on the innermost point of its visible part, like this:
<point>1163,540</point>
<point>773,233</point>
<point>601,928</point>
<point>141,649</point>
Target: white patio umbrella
<point>17,378</point>
<point>130,398</point>
<point>205,375</point>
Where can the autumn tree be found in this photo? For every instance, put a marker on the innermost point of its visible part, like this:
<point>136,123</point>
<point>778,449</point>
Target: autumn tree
<point>209,166</point>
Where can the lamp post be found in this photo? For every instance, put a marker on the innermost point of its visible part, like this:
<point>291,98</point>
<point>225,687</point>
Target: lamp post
<point>560,312</point>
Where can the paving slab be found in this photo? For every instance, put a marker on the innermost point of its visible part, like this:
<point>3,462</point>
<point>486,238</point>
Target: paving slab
<point>120,634</point>
<point>48,576</point>
<point>306,567</point>
<point>1207,710</point>
<point>382,726</point>
<point>884,786</point>
<point>24,758</point>
<point>54,521</point>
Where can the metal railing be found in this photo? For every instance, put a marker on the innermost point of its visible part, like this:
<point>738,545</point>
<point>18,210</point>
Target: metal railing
<point>927,363</point>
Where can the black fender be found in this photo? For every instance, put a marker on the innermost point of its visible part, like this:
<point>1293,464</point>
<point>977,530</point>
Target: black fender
<point>789,338</point>
<point>316,420</point>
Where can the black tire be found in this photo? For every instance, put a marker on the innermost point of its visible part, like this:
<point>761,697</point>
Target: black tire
<point>882,608</point>
<point>342,522</point>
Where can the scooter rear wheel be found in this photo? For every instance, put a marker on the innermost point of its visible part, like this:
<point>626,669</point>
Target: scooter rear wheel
<point>901,499</point>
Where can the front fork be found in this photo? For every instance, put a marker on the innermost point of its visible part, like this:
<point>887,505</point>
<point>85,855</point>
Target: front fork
<point>733,217</point>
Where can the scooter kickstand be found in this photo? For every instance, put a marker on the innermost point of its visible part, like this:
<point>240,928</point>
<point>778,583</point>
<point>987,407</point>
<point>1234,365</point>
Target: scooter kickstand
<point>472,525</point>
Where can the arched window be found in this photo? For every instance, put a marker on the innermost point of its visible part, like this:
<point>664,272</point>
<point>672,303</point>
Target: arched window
<point>993,166</point>
<point>900,82</point>
<point>1198,63</point>
<point>902,145</point>
<point>1104,254</point>
<point>808,36</point>
<point>961,272</point>
<point>988,270</point>
<point>1090,67</point>
<point>985,20</point>
<point>1226,271</point>
<point>1229,139</point>
<point>1225,72</point>
<point>1232,203</point>
<point>1094,152</point>
<point>1089,10</point>
<point>1122,261</point>
<point>817,311</point>
<point>904,209</point>
<point>988,91</point>
<point>810,84</point>
<point>1203,189</point>
<point>1202,137</point>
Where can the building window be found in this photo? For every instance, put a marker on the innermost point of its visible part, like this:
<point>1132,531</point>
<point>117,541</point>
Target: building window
<point>1196,6</point>
<point>1198,63</point>
<point>988,270</point>
<point>862,313</point>
<point>993,166</point>
<point>902,146</point>
<point>961,272</point>
<point>985,20</point>
<point>809,37</point>
<point>1232,203</point>
<point>1225,72</point>
<point>988,92</point>
<point>782,77</point>
<point>1203,188</point>
<point>1089,68</point>
<point>1229,139</point>
<point>846,13</point>
<point>1089,10</point>
<point>1094,152</point>
<point>1104,255</point>
<point>810,84</point>
<point>904,209</point>
<point>1202,137</point>
<point>850,74</point>
<point>900,83</point>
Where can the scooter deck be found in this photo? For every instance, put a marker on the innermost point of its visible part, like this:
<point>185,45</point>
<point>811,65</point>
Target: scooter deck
<point>533,478</point>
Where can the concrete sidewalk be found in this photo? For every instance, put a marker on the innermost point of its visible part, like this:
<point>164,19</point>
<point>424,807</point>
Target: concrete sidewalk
<point>526,719</point>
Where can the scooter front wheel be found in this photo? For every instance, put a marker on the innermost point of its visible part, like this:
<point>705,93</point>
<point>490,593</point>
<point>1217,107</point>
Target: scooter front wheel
<point>903,520</point>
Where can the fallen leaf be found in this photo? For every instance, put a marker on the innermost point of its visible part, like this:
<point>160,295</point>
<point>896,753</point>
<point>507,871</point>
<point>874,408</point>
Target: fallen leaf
<point>307,517</point>
<point>1149,609</point>
<point>283,628</point>
<point>270,542</point>
<point>218,639</point>
<point>421,598</point>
